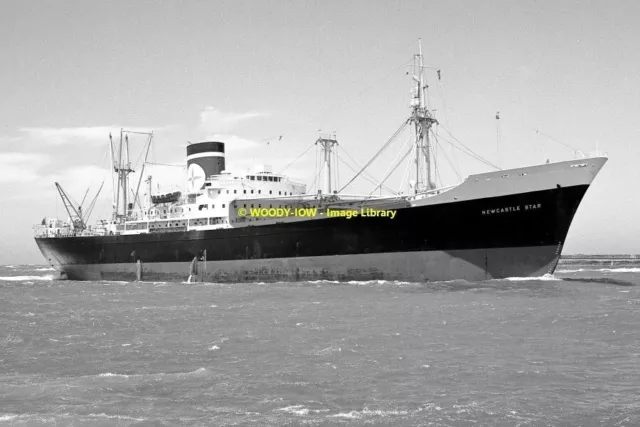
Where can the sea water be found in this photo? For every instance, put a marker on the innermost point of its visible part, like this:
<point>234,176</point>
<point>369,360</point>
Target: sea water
<point>560,350</point>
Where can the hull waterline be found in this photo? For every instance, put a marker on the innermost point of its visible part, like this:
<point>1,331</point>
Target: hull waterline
<point>493,230</point>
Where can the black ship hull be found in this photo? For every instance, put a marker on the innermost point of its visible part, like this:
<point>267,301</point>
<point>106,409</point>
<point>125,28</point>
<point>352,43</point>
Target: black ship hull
<point>506,235</point>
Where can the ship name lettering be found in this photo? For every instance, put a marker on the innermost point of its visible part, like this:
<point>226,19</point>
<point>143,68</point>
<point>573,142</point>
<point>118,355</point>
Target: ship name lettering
<point>532,207</point>
<point>508,209</point>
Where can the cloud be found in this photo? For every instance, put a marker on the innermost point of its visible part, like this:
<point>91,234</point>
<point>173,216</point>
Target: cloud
<point>21,167</point>
<point>213,120</point>
<point>235,143</point>
<point>526,73</point>
<point>83,135</point>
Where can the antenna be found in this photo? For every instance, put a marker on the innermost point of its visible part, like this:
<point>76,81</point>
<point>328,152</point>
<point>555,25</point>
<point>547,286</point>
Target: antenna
<point>498,136</point>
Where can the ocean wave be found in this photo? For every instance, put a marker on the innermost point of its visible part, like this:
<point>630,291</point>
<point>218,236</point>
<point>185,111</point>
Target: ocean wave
<point>115,417</point>
<point>199,371</point>
<point>317,282</point>
<point>301,410</point>
<point>41,418</point>
<point>355,415</point>
<point>608,270</point>
<point>546,277</point>
<point>23,278</point>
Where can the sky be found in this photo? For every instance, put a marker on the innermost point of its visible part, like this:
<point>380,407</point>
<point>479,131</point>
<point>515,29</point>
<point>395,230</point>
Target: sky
<point>561,73</point>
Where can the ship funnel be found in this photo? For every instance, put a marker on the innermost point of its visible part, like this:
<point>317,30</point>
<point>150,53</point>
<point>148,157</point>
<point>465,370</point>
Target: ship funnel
<point>203,160</point>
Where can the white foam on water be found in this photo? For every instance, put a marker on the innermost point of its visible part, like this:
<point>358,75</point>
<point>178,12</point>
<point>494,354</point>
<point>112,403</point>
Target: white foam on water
<point>353,415</point>
<point>214,348</point>
<point>198,371</point>
<point>621,270</point>
<point>115,417</point>
<point>295,409</point>
<point>546,277</point>
<point>381,413</point>
<point>301,410</point>
<point>7,417</point>
<point>45,269</point>
<point>25,278</point>
<point>315,282</point>
<point>608,270</point>
<point>109,374</point>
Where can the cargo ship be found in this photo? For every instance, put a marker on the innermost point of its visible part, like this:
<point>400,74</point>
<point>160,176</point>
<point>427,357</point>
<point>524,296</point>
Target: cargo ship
<point>263,226</point>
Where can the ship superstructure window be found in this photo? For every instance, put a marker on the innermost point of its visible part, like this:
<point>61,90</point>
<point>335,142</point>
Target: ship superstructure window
<point>270,191</point>
<point>235,191</point>
<point>245,191</point>
<point>223,205</point>
<point>251,191</point>
<point>259,191</point>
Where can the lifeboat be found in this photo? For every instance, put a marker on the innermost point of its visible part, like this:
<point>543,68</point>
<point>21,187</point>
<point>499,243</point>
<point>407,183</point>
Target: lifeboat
<point>166,198</point>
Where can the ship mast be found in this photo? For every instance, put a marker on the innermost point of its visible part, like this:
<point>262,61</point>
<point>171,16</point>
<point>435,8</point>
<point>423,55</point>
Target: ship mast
<point>422,120</point>
<point>327,142</point>
<point>122,167</point>
<point>121,164</point>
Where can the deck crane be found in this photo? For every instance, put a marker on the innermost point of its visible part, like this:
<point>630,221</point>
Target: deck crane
<point>76,215</point>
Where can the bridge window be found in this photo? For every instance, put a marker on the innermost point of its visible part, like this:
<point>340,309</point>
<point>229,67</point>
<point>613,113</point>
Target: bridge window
<point>259,178</point>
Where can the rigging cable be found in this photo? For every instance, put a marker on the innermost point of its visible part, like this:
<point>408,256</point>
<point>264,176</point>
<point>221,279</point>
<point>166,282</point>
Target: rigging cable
<point>446,118</point>
<point>575,150</point>
<point>372,181</point>
<point>393,161</point>
<point>164,164</point>
<point>444,153</point>
<point>469,151</point>
<point>386,144</point>
<point>395,167</point>
<point>364,173</point>
<point>297,158</point>
<point>406,175</point>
